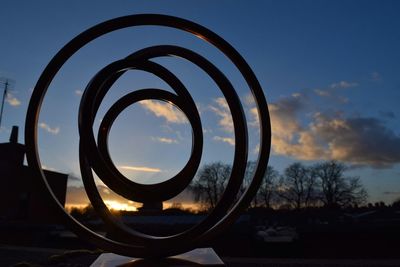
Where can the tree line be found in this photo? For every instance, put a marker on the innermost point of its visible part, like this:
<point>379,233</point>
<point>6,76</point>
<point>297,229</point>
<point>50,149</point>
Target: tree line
<point>323,184</point>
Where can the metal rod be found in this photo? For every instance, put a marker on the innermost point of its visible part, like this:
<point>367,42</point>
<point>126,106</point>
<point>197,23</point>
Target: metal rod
<point>2,102</point>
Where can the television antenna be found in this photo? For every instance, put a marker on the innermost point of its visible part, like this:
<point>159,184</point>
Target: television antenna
<point>7,84</point>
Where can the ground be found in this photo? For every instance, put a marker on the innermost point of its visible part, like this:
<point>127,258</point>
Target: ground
<point>43,257</point>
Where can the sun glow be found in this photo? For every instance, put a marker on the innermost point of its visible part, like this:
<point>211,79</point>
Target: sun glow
<point>185,206</point>
<point>116,205</point>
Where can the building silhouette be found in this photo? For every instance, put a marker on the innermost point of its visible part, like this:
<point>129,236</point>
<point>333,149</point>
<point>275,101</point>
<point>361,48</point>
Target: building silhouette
<point>151,207</point>
<point>22,195</point>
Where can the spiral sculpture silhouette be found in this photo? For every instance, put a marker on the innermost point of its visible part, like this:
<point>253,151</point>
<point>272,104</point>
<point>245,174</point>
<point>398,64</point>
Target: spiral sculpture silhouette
<point>95,156</point>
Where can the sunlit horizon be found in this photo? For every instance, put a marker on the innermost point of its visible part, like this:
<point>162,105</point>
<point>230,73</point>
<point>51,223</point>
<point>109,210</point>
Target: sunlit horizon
<point>127,206</point>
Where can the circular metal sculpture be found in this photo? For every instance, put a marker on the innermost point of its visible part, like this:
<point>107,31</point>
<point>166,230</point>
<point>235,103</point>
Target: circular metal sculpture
<point>95,156</point>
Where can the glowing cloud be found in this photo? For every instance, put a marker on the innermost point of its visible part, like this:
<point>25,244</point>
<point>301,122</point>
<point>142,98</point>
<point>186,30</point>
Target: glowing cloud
<point>357,140</point>
<point>12,100</point>
<point>228,140</point>
<point>49,129</point>
<point>166,111</point>
<point>116,205</point>
<point>165,140</point>
<point>139,168</point>
<point>222,110</point>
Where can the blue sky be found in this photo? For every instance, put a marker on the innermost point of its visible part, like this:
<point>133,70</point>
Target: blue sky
<point>329,69</point>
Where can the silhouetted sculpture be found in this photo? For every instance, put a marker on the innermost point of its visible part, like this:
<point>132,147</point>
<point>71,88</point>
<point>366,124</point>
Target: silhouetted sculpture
<point>94,155</point>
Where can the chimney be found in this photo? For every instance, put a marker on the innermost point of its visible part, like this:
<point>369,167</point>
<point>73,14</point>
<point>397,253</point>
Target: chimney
<point>14,135</point>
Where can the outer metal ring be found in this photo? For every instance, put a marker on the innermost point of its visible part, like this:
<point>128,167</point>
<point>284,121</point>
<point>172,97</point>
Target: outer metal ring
<point>225,214</point>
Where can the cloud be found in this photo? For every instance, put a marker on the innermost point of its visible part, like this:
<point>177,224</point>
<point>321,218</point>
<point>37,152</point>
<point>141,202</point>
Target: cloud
<point>49,129</point>
<point>221,108</point>
<point>249,99</point>
<point>284,117</point>
<point>331,94</point>
<point>322,92</point>
<point>287,130</point>
<point>165,140</point>
<point>12,100</point>
<point>139,168</point>
<point>343,85</point>
<point>228,140</point>
<point>207,131</point>
<point>285,124</point>
<point>164,110</point>
<point>76,195</point>
<point>78,92</point>
<point>256,149</point>
<point>357,140</point>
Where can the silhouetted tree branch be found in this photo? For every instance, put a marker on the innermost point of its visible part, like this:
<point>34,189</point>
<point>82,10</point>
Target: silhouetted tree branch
<point>210,183</point>
<point>267,192</point>
<point>298,186</point>
<point>336,189</point>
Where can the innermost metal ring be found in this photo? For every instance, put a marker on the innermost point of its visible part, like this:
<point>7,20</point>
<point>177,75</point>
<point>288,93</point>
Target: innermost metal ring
<point>157,191</point>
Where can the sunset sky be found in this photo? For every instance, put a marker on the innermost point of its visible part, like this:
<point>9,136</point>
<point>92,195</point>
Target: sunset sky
<point>330,71</point>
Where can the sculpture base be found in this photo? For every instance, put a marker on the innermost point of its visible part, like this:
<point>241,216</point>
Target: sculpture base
<point>196,257</point>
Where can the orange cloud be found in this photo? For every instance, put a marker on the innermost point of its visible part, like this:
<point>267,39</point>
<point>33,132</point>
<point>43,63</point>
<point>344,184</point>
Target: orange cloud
<point>12,100</point>
<point>139,168</point>
<point>222,110</point>
<point>228,140</point>
<point>357,140</point>
<point>166,111</point>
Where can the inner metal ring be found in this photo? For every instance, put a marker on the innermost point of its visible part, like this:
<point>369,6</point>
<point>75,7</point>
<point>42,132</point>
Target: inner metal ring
<point>98,156</point>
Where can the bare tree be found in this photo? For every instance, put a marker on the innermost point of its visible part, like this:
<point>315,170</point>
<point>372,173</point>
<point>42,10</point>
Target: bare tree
<point>248,176</point>
<point>266,190</point>
<point>210,183</point>
<point>266,193</point>
<point>396,203</point>
<point>336,189</point>
<point>298,186</point>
